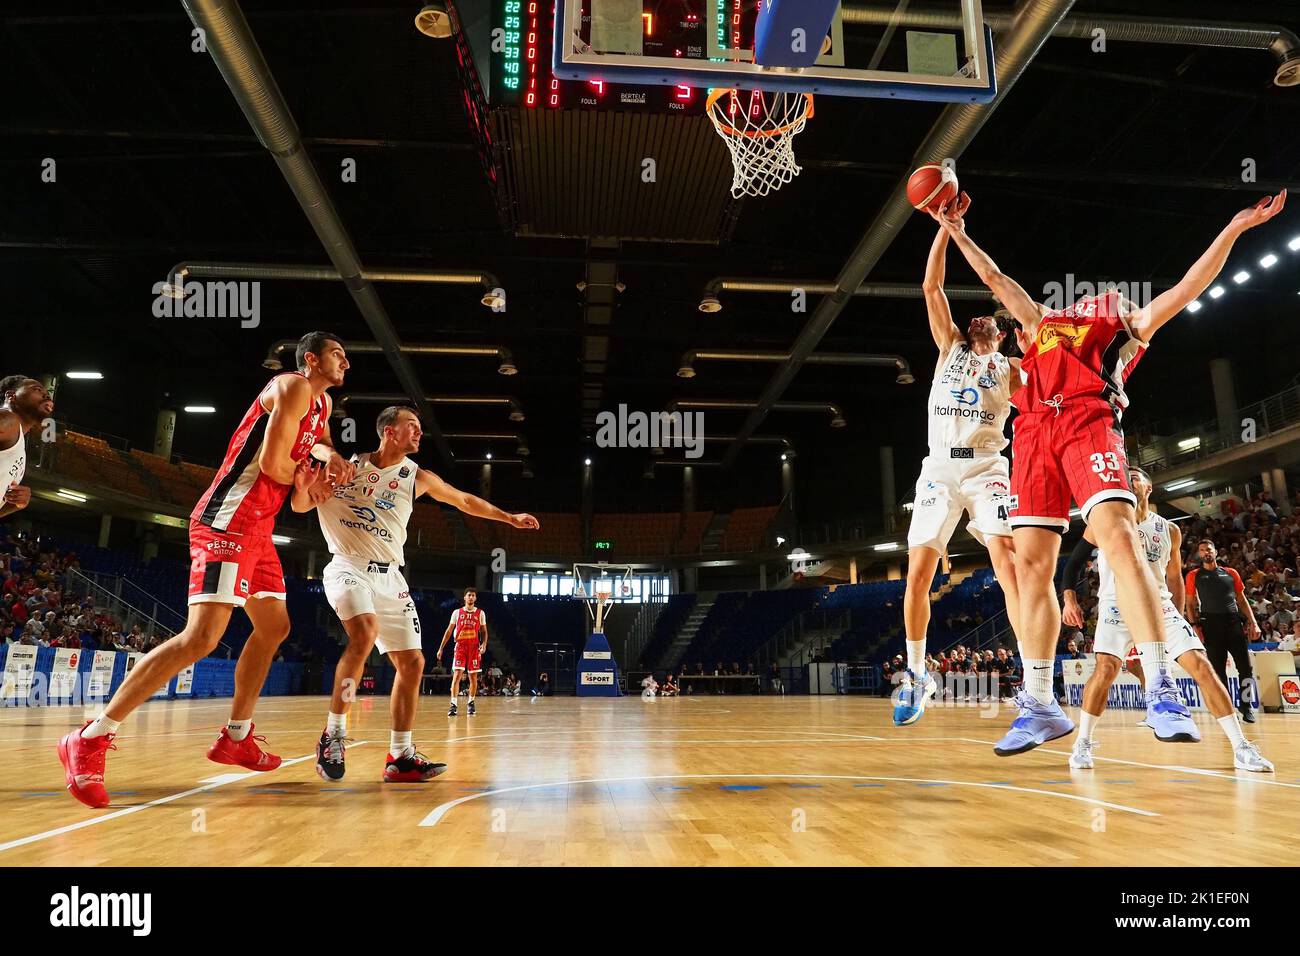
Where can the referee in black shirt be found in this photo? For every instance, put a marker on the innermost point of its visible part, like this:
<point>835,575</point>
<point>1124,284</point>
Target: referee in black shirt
<point>1216,603</point>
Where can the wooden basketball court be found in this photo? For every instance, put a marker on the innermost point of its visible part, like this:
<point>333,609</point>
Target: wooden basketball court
<point>689,781</point>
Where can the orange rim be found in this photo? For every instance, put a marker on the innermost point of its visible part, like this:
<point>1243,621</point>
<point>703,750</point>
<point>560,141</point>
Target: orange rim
<point>755,134</point>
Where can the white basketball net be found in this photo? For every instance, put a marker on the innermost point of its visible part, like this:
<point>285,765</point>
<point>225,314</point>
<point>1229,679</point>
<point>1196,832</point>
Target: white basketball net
<point>759,128</point>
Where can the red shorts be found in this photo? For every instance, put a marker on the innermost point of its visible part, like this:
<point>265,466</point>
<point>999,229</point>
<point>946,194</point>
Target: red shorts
<point>467,657</point>
<point>228,568</point>
<point>1076,452</point>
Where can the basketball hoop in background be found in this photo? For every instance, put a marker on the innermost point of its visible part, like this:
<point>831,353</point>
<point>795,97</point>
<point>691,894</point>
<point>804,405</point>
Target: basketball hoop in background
<point>759,128</point>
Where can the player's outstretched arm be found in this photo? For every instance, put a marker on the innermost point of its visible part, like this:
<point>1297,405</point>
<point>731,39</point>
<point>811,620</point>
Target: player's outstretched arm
<point>942,327</point>
<point>1009,292</point>
<point>427,483</point>
<point>1148,321</point>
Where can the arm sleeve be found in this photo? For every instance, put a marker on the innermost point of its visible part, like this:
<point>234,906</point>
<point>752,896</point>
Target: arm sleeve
<point>1075,565</point>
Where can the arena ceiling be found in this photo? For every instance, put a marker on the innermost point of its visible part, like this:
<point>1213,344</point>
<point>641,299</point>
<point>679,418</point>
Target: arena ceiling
<point>1118,166</point>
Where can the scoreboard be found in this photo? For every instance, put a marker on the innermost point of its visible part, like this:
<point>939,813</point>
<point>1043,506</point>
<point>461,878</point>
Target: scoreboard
<point>523,40</point>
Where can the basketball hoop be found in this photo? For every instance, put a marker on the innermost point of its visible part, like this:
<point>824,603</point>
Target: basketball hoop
<point>759,129</point>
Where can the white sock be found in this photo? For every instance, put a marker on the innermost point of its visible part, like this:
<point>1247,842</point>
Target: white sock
<point>471,698</point>
<point>100,726</point>
<point>1154,663</point>
<point>1232,727</point>
<point>399,742</point>
<point>336,725</point>
<point>1038,679</point>
<point>238,729</point>
<point>916,657</point>
<point>1086,724</point>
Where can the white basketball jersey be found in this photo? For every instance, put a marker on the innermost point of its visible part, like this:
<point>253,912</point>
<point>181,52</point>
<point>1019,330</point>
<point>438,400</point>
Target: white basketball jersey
<point>1153,537</point>
<point>367,517</point>
<point>970,400</point>
<point>13,463</point>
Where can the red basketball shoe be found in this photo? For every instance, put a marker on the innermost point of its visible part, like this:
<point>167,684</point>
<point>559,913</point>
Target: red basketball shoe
<point>242,753</point>
<point>412,769</point>
<point>83,765</point>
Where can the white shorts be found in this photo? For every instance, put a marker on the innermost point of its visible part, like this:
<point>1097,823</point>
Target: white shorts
<point>949,486</point>
<point>356,586</point>
<point>1113,636</point>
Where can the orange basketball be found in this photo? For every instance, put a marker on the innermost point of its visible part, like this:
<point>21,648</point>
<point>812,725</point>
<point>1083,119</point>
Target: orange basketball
<point>931,186</point>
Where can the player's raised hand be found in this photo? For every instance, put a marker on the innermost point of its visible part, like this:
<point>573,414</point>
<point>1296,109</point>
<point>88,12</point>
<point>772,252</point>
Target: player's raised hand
<point>1261,212</point>
<point>951,215</point>
<point>524,521</point>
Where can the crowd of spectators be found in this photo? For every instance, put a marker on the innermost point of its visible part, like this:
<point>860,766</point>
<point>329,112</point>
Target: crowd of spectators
<point>953,670</point>
<point>35,608</point>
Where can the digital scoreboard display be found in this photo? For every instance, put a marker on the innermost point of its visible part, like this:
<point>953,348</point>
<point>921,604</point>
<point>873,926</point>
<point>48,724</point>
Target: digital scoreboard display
<point>523,41</point>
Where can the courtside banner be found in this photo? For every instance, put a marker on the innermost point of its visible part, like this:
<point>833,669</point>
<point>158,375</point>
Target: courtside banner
<point>133,658</point>
<point>1128,693</point>
<point>185,682</point>
<point>20,665</point>
<point>1288,686</point>
<point>63,675</point>
<point>101,673</point>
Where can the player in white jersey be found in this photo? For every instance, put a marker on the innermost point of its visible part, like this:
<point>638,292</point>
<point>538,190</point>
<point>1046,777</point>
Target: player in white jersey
<point>24,404</point>
<point>364,523</point>
<point>1160,541</point>
<point>965,472</point>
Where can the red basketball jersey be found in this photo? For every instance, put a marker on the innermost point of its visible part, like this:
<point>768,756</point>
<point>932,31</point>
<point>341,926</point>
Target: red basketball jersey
<point>467,623</point>
<point>241,499</point>
<point>1084,351</point>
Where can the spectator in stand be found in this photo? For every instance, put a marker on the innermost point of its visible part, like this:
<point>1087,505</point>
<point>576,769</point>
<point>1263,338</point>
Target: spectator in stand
<point>1291,642</point>
<point>1005,666</point>
<point>512,685</point>
<point>543,688</point>
<point>670,687</point>
<point>1072,651</point>
<point>1282,617</point>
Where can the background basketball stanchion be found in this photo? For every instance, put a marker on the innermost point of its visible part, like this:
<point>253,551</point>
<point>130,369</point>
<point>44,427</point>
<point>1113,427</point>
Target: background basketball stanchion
<point>599,586</point>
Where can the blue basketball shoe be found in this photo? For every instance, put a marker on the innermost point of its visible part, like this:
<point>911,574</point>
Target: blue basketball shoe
<point>1168,716</point>
<point>911,697</point>
<point>1036,725</point>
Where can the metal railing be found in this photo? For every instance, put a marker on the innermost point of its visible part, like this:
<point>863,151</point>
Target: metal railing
<point>824,625</point>
<point>985,635</point>
<point>1157,445</point>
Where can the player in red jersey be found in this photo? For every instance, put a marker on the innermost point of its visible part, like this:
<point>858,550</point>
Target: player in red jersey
<point>1067,442</point>
<point>233,564</point>
<point>469,625</point>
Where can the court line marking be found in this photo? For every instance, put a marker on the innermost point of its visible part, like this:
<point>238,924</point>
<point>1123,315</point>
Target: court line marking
<point>437,813</point>
<point>1261,778</point>
<point>127,811</point>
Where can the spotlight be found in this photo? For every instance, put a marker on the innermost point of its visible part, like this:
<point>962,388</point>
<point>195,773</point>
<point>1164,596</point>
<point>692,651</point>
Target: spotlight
<point>710,304</point>
<point>433,21</point>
